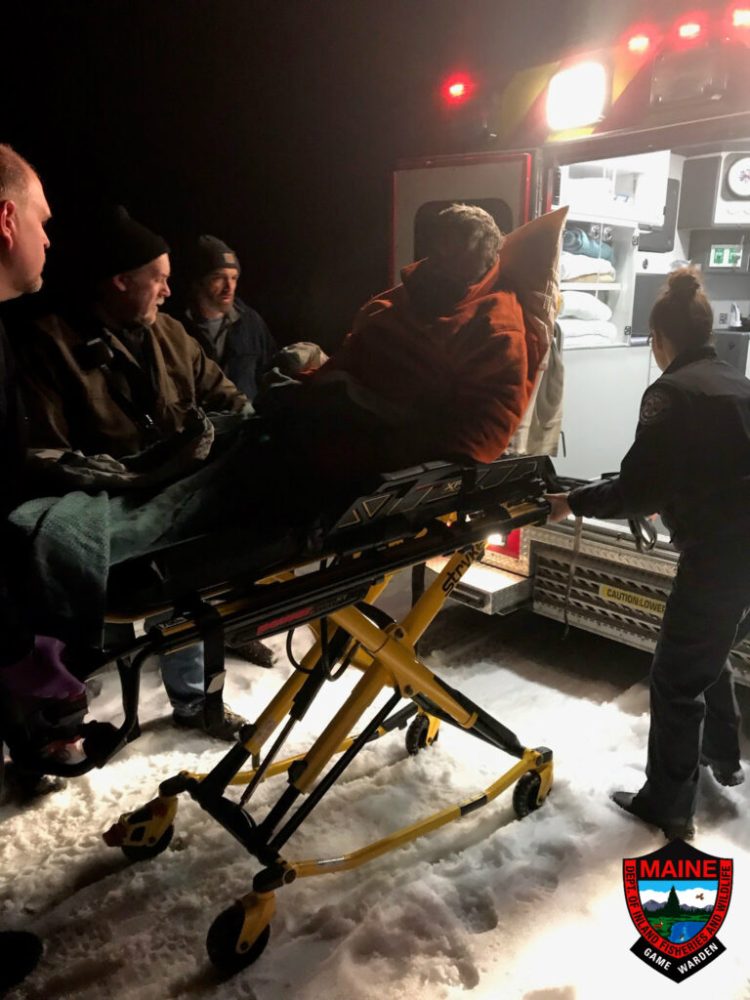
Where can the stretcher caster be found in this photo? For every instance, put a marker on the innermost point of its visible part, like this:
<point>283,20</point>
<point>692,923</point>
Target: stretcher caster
<point>239,935</point>
<point>144,852</point>
<point>526,794</point>
<point>145,833</point>
<point>422,732</point>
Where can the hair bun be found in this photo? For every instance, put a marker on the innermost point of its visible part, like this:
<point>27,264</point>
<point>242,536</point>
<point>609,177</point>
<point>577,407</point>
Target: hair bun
<point>684,284</point>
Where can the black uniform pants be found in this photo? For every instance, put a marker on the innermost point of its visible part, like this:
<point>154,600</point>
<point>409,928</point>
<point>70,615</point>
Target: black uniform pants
<point>693,706</point>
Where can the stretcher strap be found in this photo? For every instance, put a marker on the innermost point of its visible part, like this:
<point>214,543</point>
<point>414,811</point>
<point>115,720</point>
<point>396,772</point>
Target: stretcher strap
<point>211,627</point>
<point>577,533</point>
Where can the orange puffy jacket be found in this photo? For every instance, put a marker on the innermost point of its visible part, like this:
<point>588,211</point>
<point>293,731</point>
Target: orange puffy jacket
<point>458,369</point>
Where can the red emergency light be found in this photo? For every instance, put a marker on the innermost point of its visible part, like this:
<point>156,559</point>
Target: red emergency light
<point>741,17</point>
<point>643,38</point>
<point>689,31</point>
<point>458,88</point>
<point>639,44</point>
<point>506,546</point>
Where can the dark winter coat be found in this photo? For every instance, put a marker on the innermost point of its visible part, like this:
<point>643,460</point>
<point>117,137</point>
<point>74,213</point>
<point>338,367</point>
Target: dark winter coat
<point>15,631</point>
<point>248,345</point>
<point>690,460</point>
<point>12,431</point>
<point>73,403</point>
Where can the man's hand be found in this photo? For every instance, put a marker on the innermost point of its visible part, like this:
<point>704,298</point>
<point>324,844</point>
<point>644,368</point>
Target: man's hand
<point>105,464</point>
<point>560,507</point>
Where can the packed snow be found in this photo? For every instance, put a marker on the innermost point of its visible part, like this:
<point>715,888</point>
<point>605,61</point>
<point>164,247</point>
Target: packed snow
<point>488,907</point>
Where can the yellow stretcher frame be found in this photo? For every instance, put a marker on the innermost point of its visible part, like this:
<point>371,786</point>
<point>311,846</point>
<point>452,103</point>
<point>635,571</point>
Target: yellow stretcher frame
<point>385,655</point>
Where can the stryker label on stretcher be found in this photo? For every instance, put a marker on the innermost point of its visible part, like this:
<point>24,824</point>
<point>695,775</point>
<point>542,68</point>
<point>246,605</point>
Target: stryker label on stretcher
<point>628,598</point>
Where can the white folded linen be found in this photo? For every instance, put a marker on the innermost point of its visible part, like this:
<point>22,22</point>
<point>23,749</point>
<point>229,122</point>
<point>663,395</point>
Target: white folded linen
<point>587,333</point>
<point>574,265</point>
<point>584,305</point>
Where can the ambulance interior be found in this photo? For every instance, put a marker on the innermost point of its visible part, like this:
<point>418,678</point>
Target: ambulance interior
<point>633,219</point>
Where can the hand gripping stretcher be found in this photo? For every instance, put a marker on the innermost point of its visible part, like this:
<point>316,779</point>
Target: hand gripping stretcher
<point>407,518</point>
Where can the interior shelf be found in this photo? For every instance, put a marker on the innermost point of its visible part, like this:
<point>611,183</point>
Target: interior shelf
<point>590,286</point>
<point>601,220</point>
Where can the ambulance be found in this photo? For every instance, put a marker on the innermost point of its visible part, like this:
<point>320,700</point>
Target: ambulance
<point>648,143</point>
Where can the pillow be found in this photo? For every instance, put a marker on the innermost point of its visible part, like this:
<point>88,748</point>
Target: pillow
<point>584,305</point>
<point>529,260</point>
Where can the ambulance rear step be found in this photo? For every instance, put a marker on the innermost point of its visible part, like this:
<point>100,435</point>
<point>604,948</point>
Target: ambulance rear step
<point>615,592</point>
<point>493,591</point>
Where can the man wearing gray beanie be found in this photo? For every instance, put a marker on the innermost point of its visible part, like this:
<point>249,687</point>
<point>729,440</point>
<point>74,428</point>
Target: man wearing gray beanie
<point>111,376</point>
<point>229,331</point>
<point>238,340</point>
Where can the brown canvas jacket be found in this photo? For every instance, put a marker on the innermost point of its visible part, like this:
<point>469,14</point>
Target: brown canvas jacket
<point>70,405</point>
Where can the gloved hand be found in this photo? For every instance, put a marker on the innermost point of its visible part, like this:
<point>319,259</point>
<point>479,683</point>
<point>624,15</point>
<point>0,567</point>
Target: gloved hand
<point>100,472</point>
<point>175,455</point>
<point>53,470</point>
<point>93,463</point>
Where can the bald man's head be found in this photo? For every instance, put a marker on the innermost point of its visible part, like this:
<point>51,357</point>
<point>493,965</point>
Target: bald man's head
<point>24,213</point>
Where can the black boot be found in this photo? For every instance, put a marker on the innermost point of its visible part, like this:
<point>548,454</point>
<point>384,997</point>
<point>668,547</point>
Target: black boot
<point>20,786</point>
<point>673,827</point>
<point>726,773</point>
<point>252,650</point>
<point>20,952</point>
<point>224,725</point>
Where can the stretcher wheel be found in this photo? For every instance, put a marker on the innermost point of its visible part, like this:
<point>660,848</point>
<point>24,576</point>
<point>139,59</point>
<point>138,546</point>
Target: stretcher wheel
<point>144,852</point>
<point>222,938</point>
<point>416,734</point>
<point>526,794</point>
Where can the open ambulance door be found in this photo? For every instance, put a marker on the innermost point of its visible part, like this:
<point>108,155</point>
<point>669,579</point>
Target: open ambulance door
<point>504,184</point>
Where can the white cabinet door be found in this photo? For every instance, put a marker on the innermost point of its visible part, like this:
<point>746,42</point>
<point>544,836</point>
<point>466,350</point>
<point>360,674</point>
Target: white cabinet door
<point>603,390</point>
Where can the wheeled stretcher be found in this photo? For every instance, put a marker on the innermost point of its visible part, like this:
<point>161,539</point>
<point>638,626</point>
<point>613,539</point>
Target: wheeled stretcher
<point>331,581</point>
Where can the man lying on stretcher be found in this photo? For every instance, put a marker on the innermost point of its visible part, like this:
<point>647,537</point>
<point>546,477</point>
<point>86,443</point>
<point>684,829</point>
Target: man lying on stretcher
<point>442,367</point>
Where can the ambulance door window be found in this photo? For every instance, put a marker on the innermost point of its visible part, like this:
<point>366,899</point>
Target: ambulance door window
<point>426,218</point>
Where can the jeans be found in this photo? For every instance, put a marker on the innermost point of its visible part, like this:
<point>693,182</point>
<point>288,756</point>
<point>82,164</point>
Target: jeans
<point>182,674</point>
<point>693,706</point>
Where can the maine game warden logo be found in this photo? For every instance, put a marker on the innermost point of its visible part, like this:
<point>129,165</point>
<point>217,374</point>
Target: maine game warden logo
<point>678,898</point>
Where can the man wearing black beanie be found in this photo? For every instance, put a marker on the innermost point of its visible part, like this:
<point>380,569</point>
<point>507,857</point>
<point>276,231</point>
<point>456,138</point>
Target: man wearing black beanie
<point>109,376</point>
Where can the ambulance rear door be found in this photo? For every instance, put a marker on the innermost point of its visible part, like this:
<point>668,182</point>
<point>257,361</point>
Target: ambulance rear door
<point>505,184</point>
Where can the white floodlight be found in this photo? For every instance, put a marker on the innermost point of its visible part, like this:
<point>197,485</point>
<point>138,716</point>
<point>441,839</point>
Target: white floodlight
<point>577,96</point>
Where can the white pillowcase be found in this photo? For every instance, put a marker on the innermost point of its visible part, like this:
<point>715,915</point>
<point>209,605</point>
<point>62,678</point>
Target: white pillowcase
<point>584,305</point>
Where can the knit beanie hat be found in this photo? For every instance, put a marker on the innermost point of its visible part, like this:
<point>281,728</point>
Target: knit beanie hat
<point>210,254</point>
<point>121,244</point>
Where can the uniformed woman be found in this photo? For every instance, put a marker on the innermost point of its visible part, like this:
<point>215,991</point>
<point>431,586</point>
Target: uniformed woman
<point>690,462</point>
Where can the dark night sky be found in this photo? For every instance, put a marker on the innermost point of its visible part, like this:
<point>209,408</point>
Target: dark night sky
<point>274,125</point>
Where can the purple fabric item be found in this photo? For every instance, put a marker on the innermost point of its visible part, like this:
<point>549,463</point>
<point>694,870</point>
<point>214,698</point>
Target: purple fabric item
<point>41,674</point>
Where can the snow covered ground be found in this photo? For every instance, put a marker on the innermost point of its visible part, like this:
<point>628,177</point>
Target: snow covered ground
<point>486,908</point>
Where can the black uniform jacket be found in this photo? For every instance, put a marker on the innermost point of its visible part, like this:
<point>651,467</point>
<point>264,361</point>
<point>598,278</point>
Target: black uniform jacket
<point>690,460</point>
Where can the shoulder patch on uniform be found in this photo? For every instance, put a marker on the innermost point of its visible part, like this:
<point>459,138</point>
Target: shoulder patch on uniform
<point>655,406</point>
